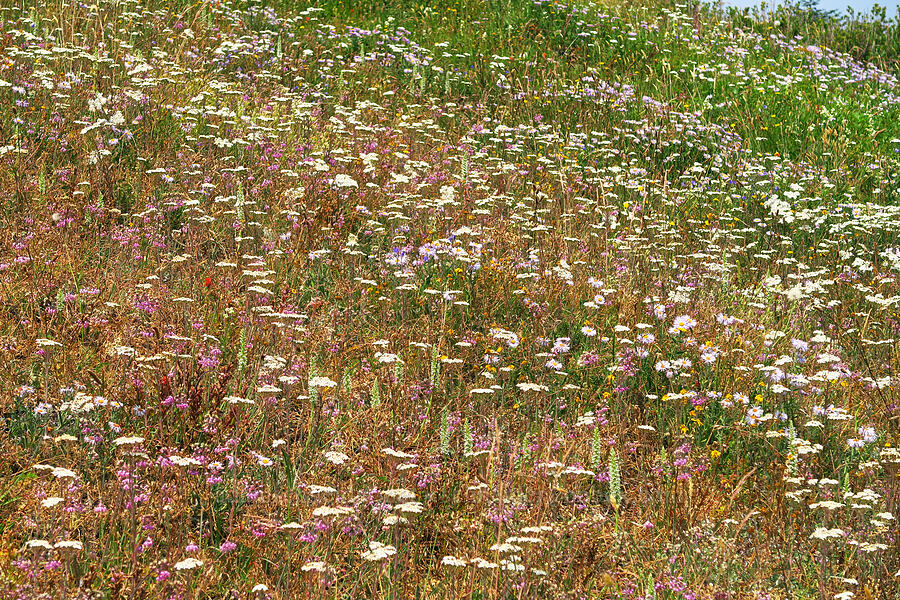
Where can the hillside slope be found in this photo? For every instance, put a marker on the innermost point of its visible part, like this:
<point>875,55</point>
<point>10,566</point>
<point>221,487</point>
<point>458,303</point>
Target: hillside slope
<point>482,299</point>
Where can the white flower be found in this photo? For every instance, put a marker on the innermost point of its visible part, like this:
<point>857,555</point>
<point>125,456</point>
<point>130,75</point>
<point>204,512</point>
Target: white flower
<point>504,548</point>
<point>524,540</point>
<point>184,462</point>
<point>238,400</point>
<point>336,458</point>
<point>826,504</point>
<point>317,566</point>
<point>97,102</point>
<point>69,544</point>
<point>538,529</point>
<point>586,420</point>
<point>399,494</point>
<point>532,387</point>
<point>867,546</point>
<point>780,209</point>
<point>397,453</point>
<point>38,544</point>
<point>391,520</point>
<point>572,470</point>
<point>344,180</point>
<point>51,501</point>
<point>61,473</point>
<point>510,565</point>
<point>387,358</point>
<point>483,564</point>
<point>410,507</point>
<point>452,561</point>
<point>188,564</point>
<point>323,382</point>
<point>683,323</point>
<point>822,533</point>
<point>378,551</point>
<point>128,440</point>
<point>332,511</point>
<point>448,194</point>
<point>795,293</point>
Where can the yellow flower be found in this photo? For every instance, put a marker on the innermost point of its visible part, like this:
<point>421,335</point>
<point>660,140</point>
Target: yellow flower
<point>715,454</point>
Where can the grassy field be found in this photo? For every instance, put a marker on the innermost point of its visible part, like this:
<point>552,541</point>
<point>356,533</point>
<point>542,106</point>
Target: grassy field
<point>463,299</point>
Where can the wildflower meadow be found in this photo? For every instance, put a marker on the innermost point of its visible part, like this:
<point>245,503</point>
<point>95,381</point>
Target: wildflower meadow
<point>482,299</point>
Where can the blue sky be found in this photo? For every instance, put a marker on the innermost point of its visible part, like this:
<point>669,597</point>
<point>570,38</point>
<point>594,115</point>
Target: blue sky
<point>838,5</point>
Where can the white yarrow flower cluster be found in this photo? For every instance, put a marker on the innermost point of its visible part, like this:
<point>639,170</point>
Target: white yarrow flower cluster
<point>378,551</point>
